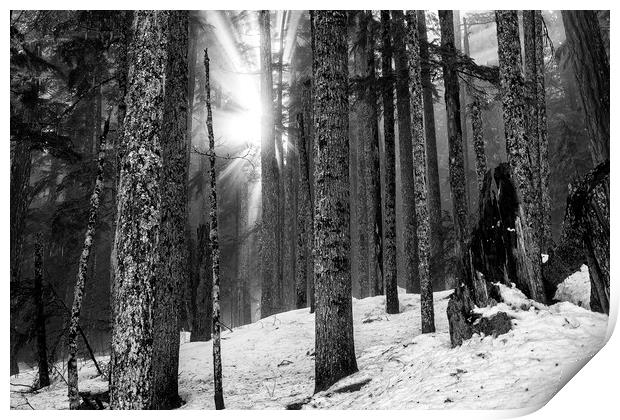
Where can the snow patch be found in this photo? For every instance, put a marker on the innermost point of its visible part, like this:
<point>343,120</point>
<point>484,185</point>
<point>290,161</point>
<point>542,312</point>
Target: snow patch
<point>576,288</point>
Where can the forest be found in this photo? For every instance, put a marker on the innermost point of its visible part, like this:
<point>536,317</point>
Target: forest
<point>306,209</point>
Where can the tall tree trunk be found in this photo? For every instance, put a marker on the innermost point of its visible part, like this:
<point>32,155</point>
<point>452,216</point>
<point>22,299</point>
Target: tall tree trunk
<point>358,137</point>
<point>41,336</point>
<point>421,192</point>
<point>459,40</point>
<point>215,251</point>
<point>591,68</point>
<point>138,216</point>
<point>389,207</point>
<point>174,270</point>
<point>513,100</point>
<point>304,219</point>
<point>369,135</point>
<point>434,196</point>
<point>280,296</point>
<point>536,122</point>
<point>270,178</point>
<point>335,353</point>
<point>78,294</point>
<point>455,143</point>
<point>405,116</point>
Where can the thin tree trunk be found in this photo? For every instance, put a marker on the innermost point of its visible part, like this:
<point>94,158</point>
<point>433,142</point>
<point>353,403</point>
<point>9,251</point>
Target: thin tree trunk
<point>434,196</point>
<point>44,378</point>
<point>304,219</point>
<point>591,68</point>
<point>421,192</point>
<point>389,207</point>
<point>335,352</point>
<point>403,103</point>
<point>270,178</point>
<point>78,294</point>
<point>455,143</point>
<point>512,88</point>
<point>215,251</point>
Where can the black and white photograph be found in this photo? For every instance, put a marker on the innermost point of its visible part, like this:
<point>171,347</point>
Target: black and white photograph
<point>307,209</point>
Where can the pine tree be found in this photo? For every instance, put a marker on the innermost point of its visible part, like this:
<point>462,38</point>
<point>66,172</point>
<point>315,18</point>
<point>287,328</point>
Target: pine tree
<point>138,217</point>
<point>369,127</point>
<point>215,250</point>
<point>174,269</point>
<point>513,100</point>
<point>403,99</point>
<point>335,353</point>
<point>421,191</point>
<point>434,196</point>
<point>304,219</point>
<point>270,178</point>
<point>455,143</point>
<point>358,138</point>
<point>389,217</point>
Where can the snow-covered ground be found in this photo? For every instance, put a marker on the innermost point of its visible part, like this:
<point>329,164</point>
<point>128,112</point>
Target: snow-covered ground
<point>576,288</point>
<point>270,364</point>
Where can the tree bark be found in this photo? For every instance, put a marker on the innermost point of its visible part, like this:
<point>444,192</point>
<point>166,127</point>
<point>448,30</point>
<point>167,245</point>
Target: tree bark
<point>174,268</point>
<point>335,353</point>
<point>201,329</point>
<point>138,216</point>
<point>591,68</point>
<point>270,178</point>
<point>78,294</point>
<point>304,219</point>
<point>419,163</point>
<point>406,153</point>
<point>215,251</point>
<point>434,196</point>
<point>360,135</point>
<point>513,101</point>
<point>455,143</point>
<point>389,207</point>
<point>478,140</point>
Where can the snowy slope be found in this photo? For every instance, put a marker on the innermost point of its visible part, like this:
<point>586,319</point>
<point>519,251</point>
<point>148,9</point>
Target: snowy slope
<point>576,288</point>
<point>270,364</point>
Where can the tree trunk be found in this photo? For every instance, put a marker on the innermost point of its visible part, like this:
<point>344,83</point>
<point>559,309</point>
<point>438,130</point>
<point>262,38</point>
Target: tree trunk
<point>455,143</point>
<point>215,251</point>
<point>421,192</point>
<point>174,270</point>
<point>270,178</point>
<point>369,135</point>
<point>434,196</point>
<point>512,89</point>
<point>335,353</point>
<point>389,217</point>
<point>359,133</point>
<point>78,294</point>
<point>304,219</point>
<point>478,140</point>
<point>405,116</point>
<point>591,68</point>
<point>44,378</point>
<point>138,217</point>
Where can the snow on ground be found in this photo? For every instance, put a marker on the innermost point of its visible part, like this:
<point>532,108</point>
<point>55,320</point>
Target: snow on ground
<point>576,288</point>
<point>270,363</point>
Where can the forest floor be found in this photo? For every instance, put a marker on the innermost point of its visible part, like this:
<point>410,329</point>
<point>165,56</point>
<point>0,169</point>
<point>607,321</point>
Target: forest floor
<point>270,363</point>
